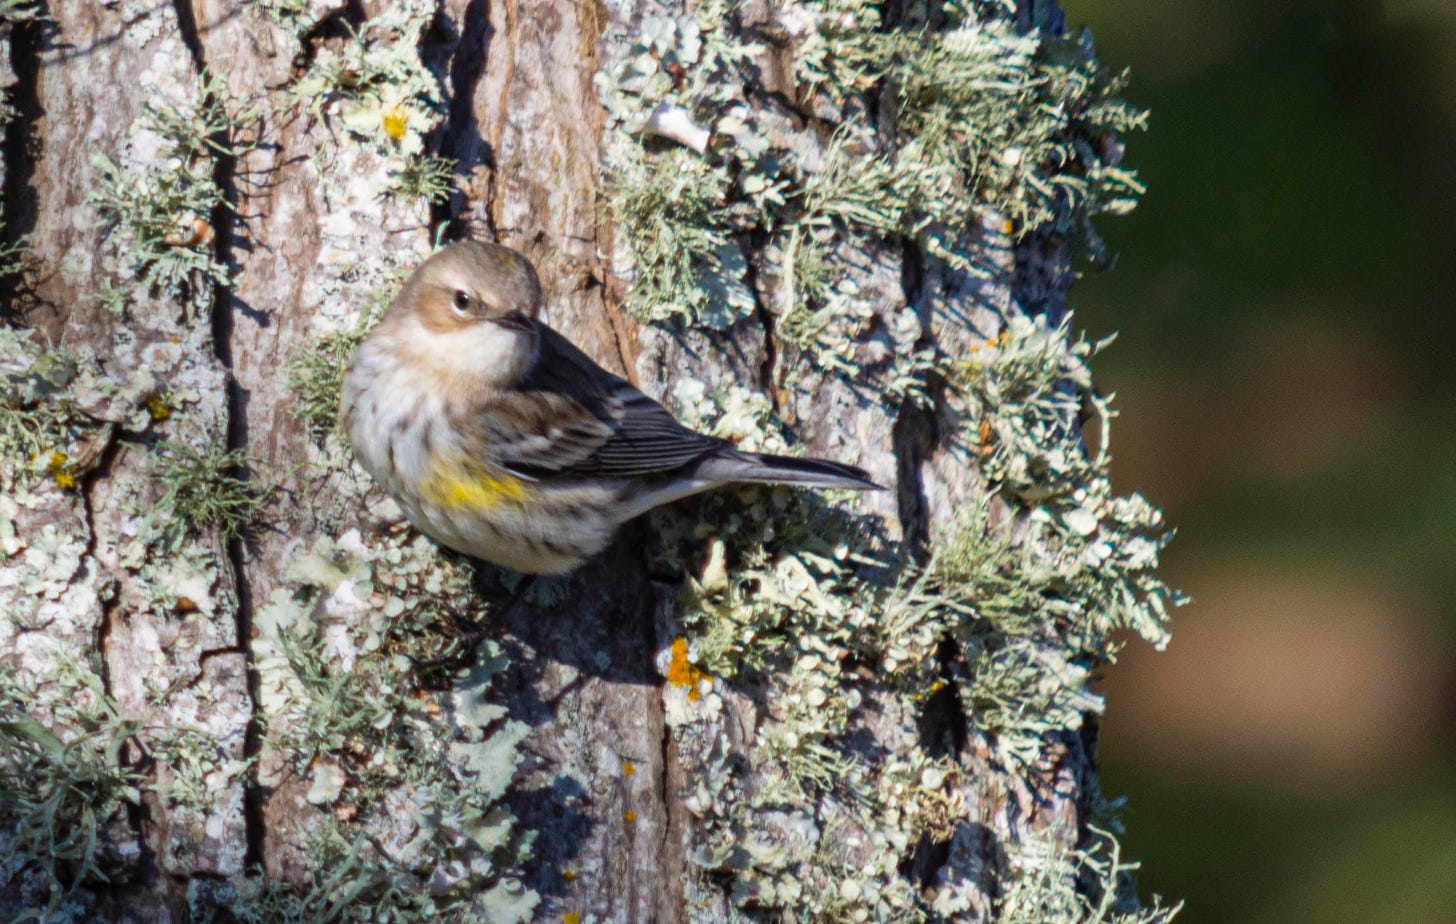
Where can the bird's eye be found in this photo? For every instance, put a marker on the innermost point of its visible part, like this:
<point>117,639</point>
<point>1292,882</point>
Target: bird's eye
<point>461,301</point>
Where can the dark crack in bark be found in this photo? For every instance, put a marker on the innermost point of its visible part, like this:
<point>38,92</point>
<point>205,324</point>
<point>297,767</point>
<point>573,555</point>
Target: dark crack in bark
<point>20,148</point>
<point>460,138</point>
<point>100,470</point>
<point>915,432</point>
<point>221,318</point>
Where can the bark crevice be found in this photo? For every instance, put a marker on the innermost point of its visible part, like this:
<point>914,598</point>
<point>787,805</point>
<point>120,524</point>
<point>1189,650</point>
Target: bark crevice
<point>19,149</point>
<point>460,137</point>
<point>222,304</point>
<point>99,471</point>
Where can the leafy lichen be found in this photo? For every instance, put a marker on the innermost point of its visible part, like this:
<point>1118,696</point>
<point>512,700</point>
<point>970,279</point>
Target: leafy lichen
<point>61,782</point>
<point>384,96</point>
<point>985,117</point>
<point>354,660</point>
<point>925,132</point>
<point>204,489</point>
<point>316,376</point>
<point>158,202</point>
<point>40,425</point>
<point>791,593</point>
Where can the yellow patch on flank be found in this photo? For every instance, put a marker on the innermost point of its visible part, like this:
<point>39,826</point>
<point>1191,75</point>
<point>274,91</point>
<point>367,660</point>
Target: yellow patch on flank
<point>454,487</point>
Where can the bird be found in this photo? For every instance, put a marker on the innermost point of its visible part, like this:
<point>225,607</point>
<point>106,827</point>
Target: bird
<point>502,440</point>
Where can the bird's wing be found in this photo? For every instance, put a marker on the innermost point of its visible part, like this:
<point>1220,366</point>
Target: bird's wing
<point>569,417</point>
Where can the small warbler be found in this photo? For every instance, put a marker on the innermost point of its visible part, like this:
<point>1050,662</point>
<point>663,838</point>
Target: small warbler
<point>503,441</point>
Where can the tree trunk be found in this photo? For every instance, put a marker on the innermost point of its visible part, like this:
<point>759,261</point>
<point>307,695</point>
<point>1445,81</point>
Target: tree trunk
<point>234,686</point>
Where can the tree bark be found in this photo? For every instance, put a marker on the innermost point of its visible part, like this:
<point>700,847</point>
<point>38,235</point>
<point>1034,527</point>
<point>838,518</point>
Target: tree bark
<point>641,785</point>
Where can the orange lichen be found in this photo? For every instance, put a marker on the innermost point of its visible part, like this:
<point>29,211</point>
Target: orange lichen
<point>682,672</point>
<point>630,816</point>
<point>571,917</point>
<point>628,768</point>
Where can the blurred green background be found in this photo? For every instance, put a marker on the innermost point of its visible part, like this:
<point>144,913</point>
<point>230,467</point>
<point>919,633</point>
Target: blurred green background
<point>1286,372</point>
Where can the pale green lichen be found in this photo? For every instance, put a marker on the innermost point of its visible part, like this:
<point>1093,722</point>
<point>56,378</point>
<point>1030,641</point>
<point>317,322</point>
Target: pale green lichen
<point>671,209</point>
<point>295,15</point>
<point>1021,597</point>
<point>1048,884</point>
<point>12,253</point>
<point>988,116</point>
<point>349,663</point>
<point>386,713</point>
<point>985,117</point>
<point>204,489</point>
<point>791,591</point>
<point>384,96</point>
<point>38,417</point>
<point>368,691</point>
<point>157,202</point>
<point>427,177</point>
<point>61,782</point>
<point>316,376</point>
<point>783,605</point>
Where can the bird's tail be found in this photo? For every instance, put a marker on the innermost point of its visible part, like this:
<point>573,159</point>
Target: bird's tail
<point>760,468</point>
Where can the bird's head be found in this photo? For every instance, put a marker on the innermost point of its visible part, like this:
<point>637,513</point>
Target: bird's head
<point>469,312</point>
<point>475,282</point>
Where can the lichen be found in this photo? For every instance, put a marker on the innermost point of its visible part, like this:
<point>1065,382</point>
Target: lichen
<point>61,782</point>
<point>380,90</point>
<point>41,428</point>
<point>158,201</point>
<point>370,694</point>
<point>385,713</point>
<point>1047,885</point>
<point>701,160</point>
<point>315,374</point>
<point>921,133</point>
<point>792,591</point>
<point>204,489</point>
<point>371,691</point>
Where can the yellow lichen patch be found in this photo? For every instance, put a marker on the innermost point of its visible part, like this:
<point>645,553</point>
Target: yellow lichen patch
<point>571,917</point>
<point>59,468</point>
<point>682,672</point>
<point>395,121</point>
<point>454,487</point>
<point>629,816</point>
<point>157,407</point>
<point>569,875</point>
<point>628,768</point>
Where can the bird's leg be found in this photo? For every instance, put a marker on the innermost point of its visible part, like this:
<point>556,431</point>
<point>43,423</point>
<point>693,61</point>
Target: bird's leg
<point>468,641</point>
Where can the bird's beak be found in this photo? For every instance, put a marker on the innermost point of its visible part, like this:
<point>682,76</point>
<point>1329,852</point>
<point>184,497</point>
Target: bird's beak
<point>514,321</point>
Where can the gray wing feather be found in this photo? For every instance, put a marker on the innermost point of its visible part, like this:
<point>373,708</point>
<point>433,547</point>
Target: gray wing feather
<point>570,418</point>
